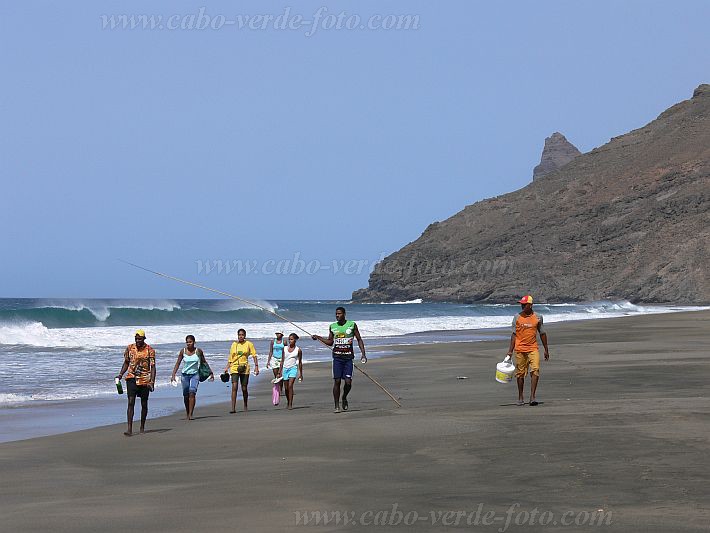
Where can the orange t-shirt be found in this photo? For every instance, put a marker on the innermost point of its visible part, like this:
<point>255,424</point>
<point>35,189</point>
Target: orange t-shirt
<point>140,363</point>
<point>526,329</point>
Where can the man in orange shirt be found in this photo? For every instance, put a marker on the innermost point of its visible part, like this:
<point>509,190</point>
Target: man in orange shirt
<point>526,326</point>
<point>139,367</point>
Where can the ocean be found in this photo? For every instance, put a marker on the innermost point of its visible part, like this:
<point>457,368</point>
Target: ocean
<point>59,356</point>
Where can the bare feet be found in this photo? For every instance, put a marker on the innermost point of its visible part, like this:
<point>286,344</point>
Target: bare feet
<point>128,433</point>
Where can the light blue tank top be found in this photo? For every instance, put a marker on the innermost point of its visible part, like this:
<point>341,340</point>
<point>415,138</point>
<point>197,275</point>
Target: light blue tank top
<point>279,349</point>
<point>190,363</point>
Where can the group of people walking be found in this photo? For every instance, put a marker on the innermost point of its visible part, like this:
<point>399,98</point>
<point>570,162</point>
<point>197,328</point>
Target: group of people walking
<point>285,358</point>
<point>287,365</point>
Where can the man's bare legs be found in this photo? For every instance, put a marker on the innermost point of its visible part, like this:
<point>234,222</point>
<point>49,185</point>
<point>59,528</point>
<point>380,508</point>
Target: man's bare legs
<point>336,394</point>
<point>144,413</point>
<point>129,415</point>
<point>130,412</point>
<point>533,387</point>
<point>346,390</point>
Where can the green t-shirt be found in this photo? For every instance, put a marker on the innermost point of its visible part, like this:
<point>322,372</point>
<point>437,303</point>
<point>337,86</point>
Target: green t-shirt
<point>343,339</point>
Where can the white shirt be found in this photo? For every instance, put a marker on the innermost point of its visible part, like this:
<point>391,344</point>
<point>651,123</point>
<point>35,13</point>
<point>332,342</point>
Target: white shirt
<point>291,357</point>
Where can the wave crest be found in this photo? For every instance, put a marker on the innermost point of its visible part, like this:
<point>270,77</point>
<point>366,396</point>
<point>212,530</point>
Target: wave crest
<point>88,313</point>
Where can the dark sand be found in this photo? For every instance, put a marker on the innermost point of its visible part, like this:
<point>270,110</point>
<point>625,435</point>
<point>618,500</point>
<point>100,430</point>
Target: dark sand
<point>624,426</point>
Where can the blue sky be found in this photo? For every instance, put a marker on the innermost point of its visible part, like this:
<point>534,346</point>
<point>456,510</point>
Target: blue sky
<point>171,148</point>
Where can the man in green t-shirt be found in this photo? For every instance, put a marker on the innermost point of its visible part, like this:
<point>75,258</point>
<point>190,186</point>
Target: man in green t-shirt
<point>340,337</point>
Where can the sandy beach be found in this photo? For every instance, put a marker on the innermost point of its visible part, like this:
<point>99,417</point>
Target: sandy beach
<point>620,437</point>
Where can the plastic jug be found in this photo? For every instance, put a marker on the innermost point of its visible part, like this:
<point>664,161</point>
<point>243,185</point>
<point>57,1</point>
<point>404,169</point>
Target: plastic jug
<point>504,371</point>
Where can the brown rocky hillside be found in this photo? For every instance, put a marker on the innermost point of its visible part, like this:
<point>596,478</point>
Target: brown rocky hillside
<point>628,220</point>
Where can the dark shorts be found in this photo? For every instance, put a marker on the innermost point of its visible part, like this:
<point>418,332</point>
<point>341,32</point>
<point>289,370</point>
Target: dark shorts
<point>243,378</point>
<point>342,368</point>
<point>142,391</point>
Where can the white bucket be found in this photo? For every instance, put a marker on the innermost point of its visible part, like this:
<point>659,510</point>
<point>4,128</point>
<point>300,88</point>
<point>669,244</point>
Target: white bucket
<point>504,372</point>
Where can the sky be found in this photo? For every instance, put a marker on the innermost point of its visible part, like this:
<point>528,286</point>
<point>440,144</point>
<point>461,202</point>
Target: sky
<point>302,155</point>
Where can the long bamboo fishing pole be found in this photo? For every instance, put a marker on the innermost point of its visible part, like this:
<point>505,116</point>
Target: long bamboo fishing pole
<point>254,304</point>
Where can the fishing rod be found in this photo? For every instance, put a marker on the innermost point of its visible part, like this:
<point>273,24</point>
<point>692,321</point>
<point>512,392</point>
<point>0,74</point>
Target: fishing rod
<point>254,304</point>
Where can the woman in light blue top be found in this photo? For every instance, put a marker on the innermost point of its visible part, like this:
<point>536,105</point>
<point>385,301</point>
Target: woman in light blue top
<point>276,352</point>
<point>191,357</point>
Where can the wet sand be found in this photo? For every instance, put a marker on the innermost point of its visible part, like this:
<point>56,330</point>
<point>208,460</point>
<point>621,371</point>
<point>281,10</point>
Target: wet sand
<point>623,426</point>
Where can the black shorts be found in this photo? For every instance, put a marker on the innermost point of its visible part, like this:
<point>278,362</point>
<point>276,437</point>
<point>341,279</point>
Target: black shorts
<point>142,391</point>
<point>241,378</point>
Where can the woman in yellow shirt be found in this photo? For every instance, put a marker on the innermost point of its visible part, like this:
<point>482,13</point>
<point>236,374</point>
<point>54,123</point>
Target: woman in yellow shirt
<point>238,367</point>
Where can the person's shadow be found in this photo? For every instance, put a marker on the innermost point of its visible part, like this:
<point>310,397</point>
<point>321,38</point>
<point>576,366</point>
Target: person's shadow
<point>516,405</point>
<point>358,410</point>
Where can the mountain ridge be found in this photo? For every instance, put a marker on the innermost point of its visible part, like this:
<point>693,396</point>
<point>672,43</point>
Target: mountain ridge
<point>627,220</point>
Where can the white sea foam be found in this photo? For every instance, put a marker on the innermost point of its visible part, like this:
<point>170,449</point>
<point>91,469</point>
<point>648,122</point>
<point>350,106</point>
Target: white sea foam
<point>37,335</point>
<point>31,334</point>
<point>14,399</point>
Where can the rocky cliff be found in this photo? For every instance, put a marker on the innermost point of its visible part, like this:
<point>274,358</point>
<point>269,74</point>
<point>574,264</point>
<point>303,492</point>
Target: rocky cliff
<point>628,220</point>
<point>558,151</point>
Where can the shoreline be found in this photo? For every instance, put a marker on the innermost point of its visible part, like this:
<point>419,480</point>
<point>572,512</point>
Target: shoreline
<point>623,427</point>
<point>51,418</point>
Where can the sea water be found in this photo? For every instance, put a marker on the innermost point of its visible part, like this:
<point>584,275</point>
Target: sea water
<point>58,358</point>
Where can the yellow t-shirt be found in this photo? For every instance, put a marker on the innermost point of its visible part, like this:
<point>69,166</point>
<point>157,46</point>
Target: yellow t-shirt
<point>239,355</point>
